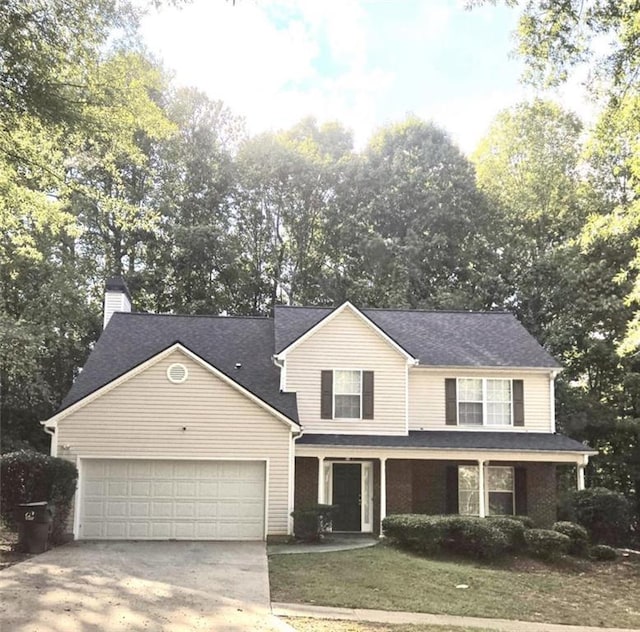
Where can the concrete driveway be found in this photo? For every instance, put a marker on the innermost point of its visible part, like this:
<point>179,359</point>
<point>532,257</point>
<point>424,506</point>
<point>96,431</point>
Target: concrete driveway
<point>172,586</point>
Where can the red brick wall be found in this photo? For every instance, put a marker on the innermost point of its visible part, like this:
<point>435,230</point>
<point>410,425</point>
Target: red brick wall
<point>399,486</point>
<point>541,493</point>
<point>429,487</point>
<point>306,482</point>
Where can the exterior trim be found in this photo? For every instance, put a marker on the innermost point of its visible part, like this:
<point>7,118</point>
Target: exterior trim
<point>365,319</point>
<point>442,454</point>
<point>52,422</point>
<point>474,367</point>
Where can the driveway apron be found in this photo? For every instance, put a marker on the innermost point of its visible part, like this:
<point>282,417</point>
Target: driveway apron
<point>172,586</point>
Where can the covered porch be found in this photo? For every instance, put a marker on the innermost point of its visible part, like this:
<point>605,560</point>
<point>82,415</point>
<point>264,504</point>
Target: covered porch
<point>368,482</point>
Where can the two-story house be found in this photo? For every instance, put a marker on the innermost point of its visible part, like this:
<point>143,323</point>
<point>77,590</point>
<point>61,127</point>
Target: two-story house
<point>199,427</point>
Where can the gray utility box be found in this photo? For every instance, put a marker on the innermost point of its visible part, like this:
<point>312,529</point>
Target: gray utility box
<point>34,523</point>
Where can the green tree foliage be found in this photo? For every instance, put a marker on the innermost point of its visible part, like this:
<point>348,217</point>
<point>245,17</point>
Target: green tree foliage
<point>543,188</point>
<point>413,224</point>
<point>527,167</point>
<point>191,261</point>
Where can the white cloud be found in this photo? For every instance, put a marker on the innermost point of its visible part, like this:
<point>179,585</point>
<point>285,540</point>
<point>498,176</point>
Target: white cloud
<point>264,60</point>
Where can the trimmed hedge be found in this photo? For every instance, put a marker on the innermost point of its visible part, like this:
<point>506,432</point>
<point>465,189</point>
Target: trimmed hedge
<point>603,553</point>
<point>546,544</point>
<point>29,476</point>
<point>578,535</point>
<point>465,535</point>
<point>512,528</point>
<point>604,513</point>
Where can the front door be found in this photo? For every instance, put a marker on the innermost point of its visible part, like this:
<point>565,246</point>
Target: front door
<point>347,489</point>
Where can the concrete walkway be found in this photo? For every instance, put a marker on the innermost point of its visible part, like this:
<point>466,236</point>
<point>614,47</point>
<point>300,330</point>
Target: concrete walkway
<point>335,543</point>
<point>392,617</point>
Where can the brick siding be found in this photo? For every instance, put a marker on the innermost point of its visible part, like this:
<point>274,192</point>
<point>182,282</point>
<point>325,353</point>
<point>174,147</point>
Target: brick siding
<point>541,493</point>
<point>306,482</point>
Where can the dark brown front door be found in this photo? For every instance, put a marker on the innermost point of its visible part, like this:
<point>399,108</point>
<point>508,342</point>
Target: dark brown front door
<point>347,483</point>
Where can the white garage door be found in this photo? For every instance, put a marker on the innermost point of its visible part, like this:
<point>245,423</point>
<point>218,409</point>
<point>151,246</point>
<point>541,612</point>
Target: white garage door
<point>161,500</point>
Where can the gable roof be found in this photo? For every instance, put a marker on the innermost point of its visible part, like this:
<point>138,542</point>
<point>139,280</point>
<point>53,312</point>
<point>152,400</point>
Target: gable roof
<point>436,338</point>
<point>360,316</point>
<point>223,342</point>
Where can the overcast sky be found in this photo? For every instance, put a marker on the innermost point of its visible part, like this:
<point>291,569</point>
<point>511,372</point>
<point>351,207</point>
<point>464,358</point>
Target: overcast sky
<point>361,62</point>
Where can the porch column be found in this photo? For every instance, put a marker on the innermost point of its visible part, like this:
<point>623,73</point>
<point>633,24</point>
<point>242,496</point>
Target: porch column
<point>321,499</point>
<point>580,475</point>
<point>383,490</point>
<point>482,509</point>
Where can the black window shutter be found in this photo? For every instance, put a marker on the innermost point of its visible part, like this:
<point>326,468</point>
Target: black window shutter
<point>518,403</point>
<point>451,496</point>
<point>326,395</point>
<point>451,403</point>
<point>367,394</point>
<point>520,489</point>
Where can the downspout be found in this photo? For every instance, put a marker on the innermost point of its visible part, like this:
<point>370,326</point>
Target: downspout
<point>54,438</point>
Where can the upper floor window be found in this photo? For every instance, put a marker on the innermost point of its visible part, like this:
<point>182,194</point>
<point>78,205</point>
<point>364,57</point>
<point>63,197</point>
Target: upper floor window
<point>477,401</point>
<point>484,401</point>
<point>346,394</point>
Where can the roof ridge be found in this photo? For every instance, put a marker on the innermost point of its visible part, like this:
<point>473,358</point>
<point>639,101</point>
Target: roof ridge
<point>404,309</point>
<point>239,317</point>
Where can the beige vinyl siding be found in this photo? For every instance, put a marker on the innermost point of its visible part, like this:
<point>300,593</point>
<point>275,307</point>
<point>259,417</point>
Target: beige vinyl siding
<point>427,401</point>
<point>346,342</point>
<point>145,417</point>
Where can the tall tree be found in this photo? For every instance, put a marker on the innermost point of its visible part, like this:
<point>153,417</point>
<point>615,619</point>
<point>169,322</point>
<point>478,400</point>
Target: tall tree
<point>285,184</point>
<point>414,225</point>
<point>192,261</point>
<point>527,166</point>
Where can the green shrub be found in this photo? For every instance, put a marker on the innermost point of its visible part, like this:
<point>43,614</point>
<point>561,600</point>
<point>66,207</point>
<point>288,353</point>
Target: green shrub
<point>512,528</point>
<point>546,544</point>
<point>310,523</point>
<point>578,535</point>
<point>525,520</point>
<point>465,535</point>
<point>29,476</point>
<point>603,553</point>
<point>604,513</point>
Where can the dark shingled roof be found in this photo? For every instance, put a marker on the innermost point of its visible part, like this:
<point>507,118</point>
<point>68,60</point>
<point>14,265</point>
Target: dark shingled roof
<point>130,338</point>
<point>453,440</point>
<point>474,339</point>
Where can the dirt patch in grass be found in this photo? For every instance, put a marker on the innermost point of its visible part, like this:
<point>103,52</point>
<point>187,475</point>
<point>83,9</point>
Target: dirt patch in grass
<point>325,625</point>
<point>575,592</point>
<point>8,555</point>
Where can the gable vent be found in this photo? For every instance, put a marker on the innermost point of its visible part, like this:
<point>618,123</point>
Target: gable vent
<point>177,373</point>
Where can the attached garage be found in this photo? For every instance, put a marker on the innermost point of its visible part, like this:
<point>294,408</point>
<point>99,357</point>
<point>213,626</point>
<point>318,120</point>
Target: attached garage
<point>200,458</point>
<point>171,499</point>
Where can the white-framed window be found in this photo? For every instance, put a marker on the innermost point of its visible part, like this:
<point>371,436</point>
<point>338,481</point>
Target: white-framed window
<point>347,394</point>
<point>499,490</point>
<point>485,401</point>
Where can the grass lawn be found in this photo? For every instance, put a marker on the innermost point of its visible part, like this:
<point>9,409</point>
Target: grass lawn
<point>579,593</point>
<point>325,625</point>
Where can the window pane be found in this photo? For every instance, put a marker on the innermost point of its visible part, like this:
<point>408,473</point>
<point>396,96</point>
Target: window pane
<point>347,406</point>
<point>499,391</point>
<point>500,479</point>
<point>468,503</point>
<point>347,382</point>
<point>499,414</point>
<point>500,503</point>
<point>470,414</point>
<point>468,478</point>
<point>469,390</point>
